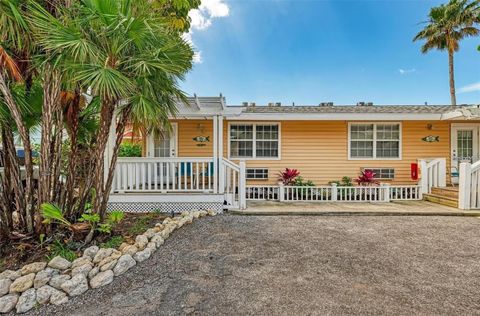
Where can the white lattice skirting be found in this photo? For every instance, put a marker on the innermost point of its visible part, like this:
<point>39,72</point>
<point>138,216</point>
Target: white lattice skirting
<point>164,207</point>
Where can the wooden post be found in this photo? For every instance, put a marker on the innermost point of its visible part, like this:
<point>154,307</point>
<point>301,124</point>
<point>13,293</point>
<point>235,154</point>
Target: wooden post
<point>386,192</point>
<point>442,172</point>
<point>281,192</point>
<point>242,196</point>
<point>334,192</point>
<point>423,176</point>
<point>464,182</point>
<point>215,154</point>
<point>221,168</point>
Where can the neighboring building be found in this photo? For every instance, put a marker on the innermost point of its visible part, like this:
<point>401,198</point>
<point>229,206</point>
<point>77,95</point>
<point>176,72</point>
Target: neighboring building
<point>325,142</point>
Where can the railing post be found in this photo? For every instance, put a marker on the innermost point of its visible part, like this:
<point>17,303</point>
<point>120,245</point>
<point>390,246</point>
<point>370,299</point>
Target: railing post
<point>442,172</point>
<point>215,154</point>
<point>423,176</point>
<point>464,182</point>
<point>334,192</point>
<point>386,192</point>
<point>221,176</point>
<point>281,192</point>
<point>242,196</point>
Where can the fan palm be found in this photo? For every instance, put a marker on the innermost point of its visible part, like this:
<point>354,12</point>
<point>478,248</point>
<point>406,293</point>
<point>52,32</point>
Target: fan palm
<point>128,57</point>
<point>447,26</point>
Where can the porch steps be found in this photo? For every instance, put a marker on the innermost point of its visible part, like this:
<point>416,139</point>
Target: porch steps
<point>446,196</point>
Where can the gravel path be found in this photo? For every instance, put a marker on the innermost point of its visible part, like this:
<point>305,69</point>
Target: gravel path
<point>233,265</point>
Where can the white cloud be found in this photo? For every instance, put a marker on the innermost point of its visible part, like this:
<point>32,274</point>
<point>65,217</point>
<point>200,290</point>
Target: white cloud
<point>406,71</point>
<point>470,88</point>
<point>202,18</point>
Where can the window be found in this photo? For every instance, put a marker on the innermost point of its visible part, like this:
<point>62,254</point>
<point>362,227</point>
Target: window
<point>383,173</point>
<point>374,141</point>
<point>257,173</point>
<point>254,140</point>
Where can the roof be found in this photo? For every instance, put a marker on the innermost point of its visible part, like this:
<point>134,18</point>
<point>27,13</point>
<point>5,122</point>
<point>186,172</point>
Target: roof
<point>416,109</point>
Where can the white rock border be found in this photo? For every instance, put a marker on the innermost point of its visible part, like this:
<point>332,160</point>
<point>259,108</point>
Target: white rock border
<point>54,282</point>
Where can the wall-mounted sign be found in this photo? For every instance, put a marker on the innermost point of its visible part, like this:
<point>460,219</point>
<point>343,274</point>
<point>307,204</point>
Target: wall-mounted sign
<point>431,139</point>
<point>201,140</point>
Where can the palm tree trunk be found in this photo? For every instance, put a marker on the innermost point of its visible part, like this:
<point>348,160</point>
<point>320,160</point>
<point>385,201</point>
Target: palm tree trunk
<point>25,136</point>
<point>451,71</point>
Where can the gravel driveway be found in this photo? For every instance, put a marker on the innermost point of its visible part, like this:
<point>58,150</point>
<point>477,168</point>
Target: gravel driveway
<point>235,265</point>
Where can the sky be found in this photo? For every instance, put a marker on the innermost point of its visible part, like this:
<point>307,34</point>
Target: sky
<point>313,51</point>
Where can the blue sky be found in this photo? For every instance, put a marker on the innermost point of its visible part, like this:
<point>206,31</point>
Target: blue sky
<point>312,51</point>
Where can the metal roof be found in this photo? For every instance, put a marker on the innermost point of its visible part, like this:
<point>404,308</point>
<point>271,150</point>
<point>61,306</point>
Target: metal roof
<point>411,109</point>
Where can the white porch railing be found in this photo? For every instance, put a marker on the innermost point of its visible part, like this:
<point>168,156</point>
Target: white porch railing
<point>334,193</point>
<point>232,183</point>
<point>150,174</point>
<point>433,173</point>
<point>468,186</point>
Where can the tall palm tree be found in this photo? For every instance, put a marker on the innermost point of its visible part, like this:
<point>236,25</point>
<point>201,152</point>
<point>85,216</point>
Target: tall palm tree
<point>448,24</point>
<point>129,58</point>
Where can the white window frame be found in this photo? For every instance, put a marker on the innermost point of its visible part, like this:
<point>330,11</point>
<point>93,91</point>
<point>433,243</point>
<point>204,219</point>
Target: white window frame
<point>380,168</point>
<point>257,168</point>
<point>400,141</point>
<point>254,157</point>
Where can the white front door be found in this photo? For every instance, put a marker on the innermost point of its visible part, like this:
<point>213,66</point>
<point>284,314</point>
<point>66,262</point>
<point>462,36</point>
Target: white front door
<point>465,144</point>
<point>164,144</point>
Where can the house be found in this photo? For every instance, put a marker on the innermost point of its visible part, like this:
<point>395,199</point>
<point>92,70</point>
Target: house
<point>217,156</point>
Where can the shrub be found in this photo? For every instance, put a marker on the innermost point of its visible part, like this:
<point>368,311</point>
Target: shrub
<point>288,176</point>
<point>344,182</point>
<point>367,177</point>
<point>128,149</point>
<point>113,242</point>
<point>300,182</point>
<point>60,249</point>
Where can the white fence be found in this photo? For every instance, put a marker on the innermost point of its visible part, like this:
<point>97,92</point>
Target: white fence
<point>232,183</point>
<point>468,186</point>
<point>164,174</point>
<point>434,173</point>
<point>334,193</point>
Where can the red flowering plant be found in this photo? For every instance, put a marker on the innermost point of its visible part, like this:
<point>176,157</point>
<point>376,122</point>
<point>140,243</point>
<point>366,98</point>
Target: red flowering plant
<point>366,178</point>
<point>288,176</point>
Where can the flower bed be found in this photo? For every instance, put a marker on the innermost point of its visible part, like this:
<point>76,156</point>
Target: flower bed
<point>55,281</point>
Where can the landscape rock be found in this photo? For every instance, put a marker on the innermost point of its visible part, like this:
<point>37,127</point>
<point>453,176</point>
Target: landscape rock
<point>116,254</point>
<point>124,263</point>
<point>165,233</point>
<point>101,279</point>
<point>84,269</point>
<point>57,280</point>
<point>102,254</point>
<point>10,274</point>
<point>91,251</point>
<point>58,298</point>
<point>41,279</point>
<point>123,246</point>
<point>149,233</point>
<point>81,262</point>
<point>130,250</point>
<point>141,241</point>
<point>26,301</point>
<point>93,272</point>
<point>33,267</point>
<point>108,266</point>
<point>59,263</point>
<point>105,261</point>
<point>157,239</point>
<point>76,285</point>
<point>142,255</point>
<point>152,246</point>
<point>8,302</point>
<point>22,283</point>
<point>5,286</point>
<point>44,293</point>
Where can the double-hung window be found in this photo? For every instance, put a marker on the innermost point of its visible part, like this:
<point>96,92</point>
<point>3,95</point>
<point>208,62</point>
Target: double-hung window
<point>259,140</point>
<point>374,140</point>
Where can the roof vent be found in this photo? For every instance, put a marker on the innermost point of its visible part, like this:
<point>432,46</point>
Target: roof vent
<point>370,104</point>
<point>270,103</point>
<point>253,104</point>
<point>326,104</point>
<point>278,104</point>
<point>245,103</point>
<point>361,104</point>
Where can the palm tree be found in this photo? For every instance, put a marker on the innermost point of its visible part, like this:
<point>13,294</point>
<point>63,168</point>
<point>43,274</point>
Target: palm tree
<point>129,58</point>
<point>447,26</point>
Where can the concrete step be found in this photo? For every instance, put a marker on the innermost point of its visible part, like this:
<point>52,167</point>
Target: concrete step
<point>441,199</point>
<point>447,192</point>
